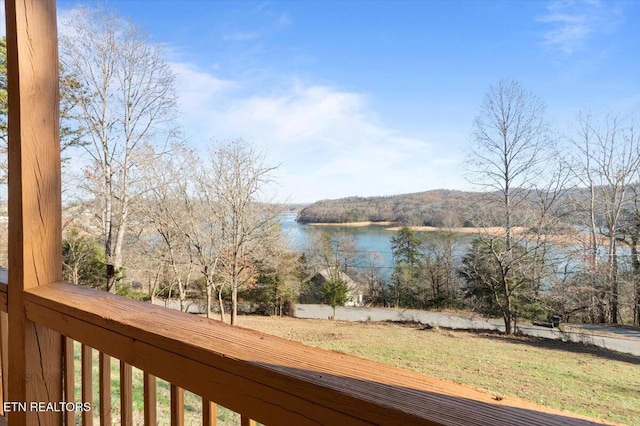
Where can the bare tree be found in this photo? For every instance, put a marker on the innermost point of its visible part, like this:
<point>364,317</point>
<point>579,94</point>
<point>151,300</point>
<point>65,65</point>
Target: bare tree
<point>335,250</point>
<point>82,261</point>
<point>608,163</point>
<point>377,288</point>
<point>202,225</point>
<point>319,253</point>
<point>511,148</point>
<point>70,131</point>
<point>178,219</point>
<point>129,99</point>
<point>630,235</point>
<point>71,93</point>
<point>151,265</point>
<point>279,271</point>
<point>440,267</point>
<point>161,178</point>
<point>247,221</point>
<point>584,171</point>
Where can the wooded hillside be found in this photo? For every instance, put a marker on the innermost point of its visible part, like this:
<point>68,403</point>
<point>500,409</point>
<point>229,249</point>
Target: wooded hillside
<point>430,208</point>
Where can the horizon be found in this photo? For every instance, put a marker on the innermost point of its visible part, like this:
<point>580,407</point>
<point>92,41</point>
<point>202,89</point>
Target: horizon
<point>371,98</point>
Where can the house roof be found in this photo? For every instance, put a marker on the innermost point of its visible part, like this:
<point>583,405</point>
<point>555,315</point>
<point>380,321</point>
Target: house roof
<point>329,273</point>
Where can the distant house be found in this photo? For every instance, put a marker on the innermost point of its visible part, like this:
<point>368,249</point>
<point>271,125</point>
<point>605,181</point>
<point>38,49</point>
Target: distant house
<point>311,292</point>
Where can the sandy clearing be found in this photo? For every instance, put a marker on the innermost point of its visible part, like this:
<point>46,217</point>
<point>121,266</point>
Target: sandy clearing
<point>574,238</point>
<point>352,224</point>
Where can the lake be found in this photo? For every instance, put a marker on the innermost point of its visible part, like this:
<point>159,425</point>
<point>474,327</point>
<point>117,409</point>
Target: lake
<point>367,238</point>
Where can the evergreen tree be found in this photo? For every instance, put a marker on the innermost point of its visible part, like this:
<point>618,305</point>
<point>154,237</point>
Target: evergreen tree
<point>485,274</point>
<point>82,260</point>
<point>407,256</point>
<point>335,292</point>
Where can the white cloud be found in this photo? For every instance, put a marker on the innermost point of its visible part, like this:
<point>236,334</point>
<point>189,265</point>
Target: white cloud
<point>573,23</point>
<point>242,35</point>
<point>198,92</point>
<point>284,20</point>
<point>3,21</point>
<point>301,113</point>
<point>329,143</point>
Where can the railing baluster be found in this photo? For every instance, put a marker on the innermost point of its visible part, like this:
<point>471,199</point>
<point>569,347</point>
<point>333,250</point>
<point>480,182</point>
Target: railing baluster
<point>246,421</point>
<point>105,390</point>
<point>149,399</point>
<point>208,413</point>
<point>177,406</point>
<point>126,398</point>
<point>69,381</point>
<point>87,384</point>
<point>4,356</point>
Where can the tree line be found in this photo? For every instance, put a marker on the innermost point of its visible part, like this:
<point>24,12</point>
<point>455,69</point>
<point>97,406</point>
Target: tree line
<point>558,221</point>
<point>140,206</point>
<point>144,209</point>
<point>430,208</point>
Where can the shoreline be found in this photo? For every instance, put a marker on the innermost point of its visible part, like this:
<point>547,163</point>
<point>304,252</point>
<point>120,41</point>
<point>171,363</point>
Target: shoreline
<point>352,224</point>
<point>495,231</point>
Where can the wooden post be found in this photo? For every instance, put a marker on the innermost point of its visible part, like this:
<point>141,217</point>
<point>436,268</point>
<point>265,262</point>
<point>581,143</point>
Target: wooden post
<point>149,392</point>
<point>246,421</point>
<point>87,384</point>
<point>177,405</point>
<point>69,383</point>
<point>126,396</point>
<point>209,412</point>
<point>35,372</point>
<point>104,374</point>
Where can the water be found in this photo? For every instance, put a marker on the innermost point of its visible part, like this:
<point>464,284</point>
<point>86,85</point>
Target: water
<point>373,239</point>
<point>368,239</point>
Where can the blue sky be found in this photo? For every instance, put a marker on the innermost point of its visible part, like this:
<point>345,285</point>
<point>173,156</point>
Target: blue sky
<point>376,98</point>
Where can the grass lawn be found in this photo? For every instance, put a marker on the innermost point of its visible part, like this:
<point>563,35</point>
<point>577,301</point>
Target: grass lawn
<point>573,377</point>
<point>192,402</point>
<point>578,378</point>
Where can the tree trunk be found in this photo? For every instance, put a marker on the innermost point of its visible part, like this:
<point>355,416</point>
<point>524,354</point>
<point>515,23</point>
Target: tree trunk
<point>181,295</point>
<point>221,304</point>
<point>234,280</point>
<point>507,312</point>
<point>507,316</point>
<point>614,287</point>
<point>636,307</point>
<point>507,322</point>
<point>234,304</point>
<point>635,262</point>
<point>111,278</point>
<point>208,300</point>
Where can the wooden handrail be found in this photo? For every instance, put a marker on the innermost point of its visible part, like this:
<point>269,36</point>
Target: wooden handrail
<point>264,378</point>
<point>269,379</point>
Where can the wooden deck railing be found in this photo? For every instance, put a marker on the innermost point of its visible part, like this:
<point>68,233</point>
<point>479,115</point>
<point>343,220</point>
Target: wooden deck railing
<point>262,377</point>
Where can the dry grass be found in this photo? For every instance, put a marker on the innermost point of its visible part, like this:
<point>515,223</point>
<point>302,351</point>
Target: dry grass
<point>192,402</point>
<point>578,378</point>
<point>582,379</point>
<point>497,231</point>
<point>352,224</point>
